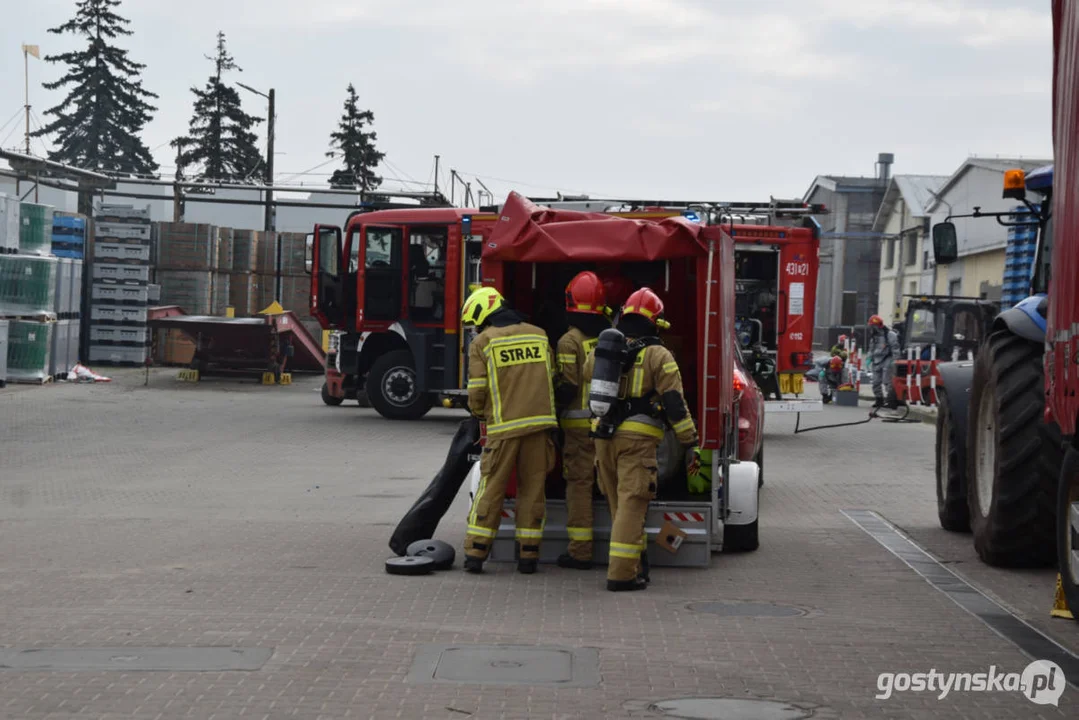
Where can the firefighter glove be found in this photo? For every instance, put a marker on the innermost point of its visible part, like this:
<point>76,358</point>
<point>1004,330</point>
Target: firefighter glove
<point>693,460</point>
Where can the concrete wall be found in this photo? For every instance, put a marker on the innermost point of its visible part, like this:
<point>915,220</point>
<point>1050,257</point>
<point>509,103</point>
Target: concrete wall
<point>979,275</point>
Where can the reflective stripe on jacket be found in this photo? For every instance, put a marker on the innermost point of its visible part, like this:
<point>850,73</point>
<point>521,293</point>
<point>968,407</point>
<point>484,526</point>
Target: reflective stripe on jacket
<point>509,380</point>
<point>573,349</point>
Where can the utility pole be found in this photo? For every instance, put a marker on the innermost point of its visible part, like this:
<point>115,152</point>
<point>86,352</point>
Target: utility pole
<point>436,174</point>
<point>269,224</point>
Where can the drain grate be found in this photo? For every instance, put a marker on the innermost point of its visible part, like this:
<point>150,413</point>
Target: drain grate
<point>746,609</point>
<point>506,665</point>
<point>720,708</point>
<point>126,659</point>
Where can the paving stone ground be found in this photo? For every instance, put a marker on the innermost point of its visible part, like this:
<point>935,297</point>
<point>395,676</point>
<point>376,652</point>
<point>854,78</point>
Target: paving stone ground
<point>245,516</point>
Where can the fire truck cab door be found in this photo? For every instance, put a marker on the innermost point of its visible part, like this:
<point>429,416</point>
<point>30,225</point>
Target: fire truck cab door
<point>327,302</point>
<point>380,277</point>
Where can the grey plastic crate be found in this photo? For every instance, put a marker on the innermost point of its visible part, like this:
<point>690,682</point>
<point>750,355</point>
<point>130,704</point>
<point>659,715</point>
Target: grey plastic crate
<point>125,231</point>
<point>119,334</point>
<point>76,287</point>
<point>129,212</point>
<point>122,273</point>
<point>62,293</point>
<point>4,324</point>
<point>155,293</point>
<point>117,314</point>
<point>105,251</point>
<point>120,293</point>
<point>118,354</point>
<point>60,350</point>
<point>73,345</point>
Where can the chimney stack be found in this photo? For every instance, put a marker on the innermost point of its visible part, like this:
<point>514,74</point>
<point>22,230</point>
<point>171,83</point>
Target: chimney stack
<point>884,167</point>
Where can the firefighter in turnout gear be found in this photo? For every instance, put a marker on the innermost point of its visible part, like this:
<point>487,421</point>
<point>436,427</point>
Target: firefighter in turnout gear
<point>649,397</point>
<point>587,313</point>
<point>509,389</point>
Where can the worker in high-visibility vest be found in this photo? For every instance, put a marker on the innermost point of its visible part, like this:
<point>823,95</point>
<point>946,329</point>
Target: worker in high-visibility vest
<point>510,391</point>
<point>651,399</point>
<point>587,311</point>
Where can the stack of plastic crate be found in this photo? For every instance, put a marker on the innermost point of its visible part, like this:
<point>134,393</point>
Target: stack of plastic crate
<point>120,289</point>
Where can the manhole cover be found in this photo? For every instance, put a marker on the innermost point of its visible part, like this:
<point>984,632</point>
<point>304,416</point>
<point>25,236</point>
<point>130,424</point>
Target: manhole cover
<point>506,665</point>
<point>713,708</point>
<point>746,609</point>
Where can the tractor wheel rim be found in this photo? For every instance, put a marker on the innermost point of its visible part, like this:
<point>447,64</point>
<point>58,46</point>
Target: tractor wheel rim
<point>986,453</point>
<point>399,386</point>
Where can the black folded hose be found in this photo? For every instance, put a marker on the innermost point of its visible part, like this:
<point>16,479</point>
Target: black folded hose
<point>421,520</point>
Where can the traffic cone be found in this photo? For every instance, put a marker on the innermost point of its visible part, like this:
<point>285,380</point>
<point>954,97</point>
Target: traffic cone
<point>1060,603</point>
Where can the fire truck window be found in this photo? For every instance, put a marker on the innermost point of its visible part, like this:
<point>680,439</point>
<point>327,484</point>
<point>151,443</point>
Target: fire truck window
<point>427,273</point>
<point>379,251</point>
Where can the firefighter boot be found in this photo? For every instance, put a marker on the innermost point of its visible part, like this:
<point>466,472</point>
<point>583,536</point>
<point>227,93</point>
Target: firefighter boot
<point>565,560</point>
<point>527,567</point>
<point>644,573</point>
<point>627,585</point>
<point>474,565</point>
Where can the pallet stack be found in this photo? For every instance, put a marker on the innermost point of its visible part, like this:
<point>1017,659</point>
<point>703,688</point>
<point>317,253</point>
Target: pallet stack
<point>120,288</point>
<point>193,264</point>
<point>28,291</point>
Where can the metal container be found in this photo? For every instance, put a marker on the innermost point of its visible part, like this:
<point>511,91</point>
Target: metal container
<point>9,225</point>
<point>27,284</point>
<point>4,327</point>
<point>35,229</point>
<point>846,398</point>
<point>123,231</point>
<point>62,293</point>
<point>28,350</point>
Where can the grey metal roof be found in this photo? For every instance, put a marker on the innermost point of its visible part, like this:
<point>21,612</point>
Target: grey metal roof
<point>915,190</point>
<point>839,183</point>
<point>995,164</point>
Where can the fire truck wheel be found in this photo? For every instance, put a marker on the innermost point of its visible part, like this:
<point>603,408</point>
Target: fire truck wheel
<point>1013,456</point>
<point>952,508</point>
<point>391,387</point>
<point>1067,527</point>
<point>330,399</point>
<point>760,464</point>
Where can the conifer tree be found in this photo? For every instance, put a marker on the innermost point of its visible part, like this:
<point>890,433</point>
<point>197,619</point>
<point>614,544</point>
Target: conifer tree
<point>220,142</point>
<point>98,124</point>
<point>356,147</point>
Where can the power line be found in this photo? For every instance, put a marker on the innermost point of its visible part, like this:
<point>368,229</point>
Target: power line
<point>13,119</point>
<point>526,184</point>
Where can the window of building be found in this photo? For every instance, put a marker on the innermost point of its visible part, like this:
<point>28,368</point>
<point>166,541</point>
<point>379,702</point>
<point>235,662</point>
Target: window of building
<point>889,254</point>
<point>955,288</point>
<point>912,250</point>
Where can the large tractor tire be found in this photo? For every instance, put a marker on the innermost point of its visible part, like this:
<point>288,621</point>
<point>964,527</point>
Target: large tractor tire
<point>392,388</point>
<point>952,507</point>
<point>1067,527</point>
<point>1013,456</point>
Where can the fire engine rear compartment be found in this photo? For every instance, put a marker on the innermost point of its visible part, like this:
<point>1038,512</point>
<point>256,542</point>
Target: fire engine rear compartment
<point>537,290</point>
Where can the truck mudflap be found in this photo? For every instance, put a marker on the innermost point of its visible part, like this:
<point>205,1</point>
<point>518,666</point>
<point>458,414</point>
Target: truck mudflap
<point>692,518</point>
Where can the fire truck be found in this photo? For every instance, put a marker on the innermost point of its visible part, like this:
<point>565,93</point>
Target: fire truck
<point>389,286</point>
<point>529,253</point>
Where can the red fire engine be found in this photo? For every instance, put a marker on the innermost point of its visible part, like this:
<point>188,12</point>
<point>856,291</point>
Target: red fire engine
<point>392,283</point>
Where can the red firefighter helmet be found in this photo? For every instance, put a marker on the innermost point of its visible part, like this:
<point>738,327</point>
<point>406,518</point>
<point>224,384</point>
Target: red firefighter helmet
<point>836,363</point>
<point>585,294</point>
<point>647,303</point>
<point>876,321</point>
<point>842,339</point>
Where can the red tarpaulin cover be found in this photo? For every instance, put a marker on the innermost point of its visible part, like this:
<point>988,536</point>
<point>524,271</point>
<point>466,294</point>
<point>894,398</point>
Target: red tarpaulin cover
<point>527,232</point>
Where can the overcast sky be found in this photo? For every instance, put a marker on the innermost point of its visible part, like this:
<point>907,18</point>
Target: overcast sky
<point>690,99</point>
